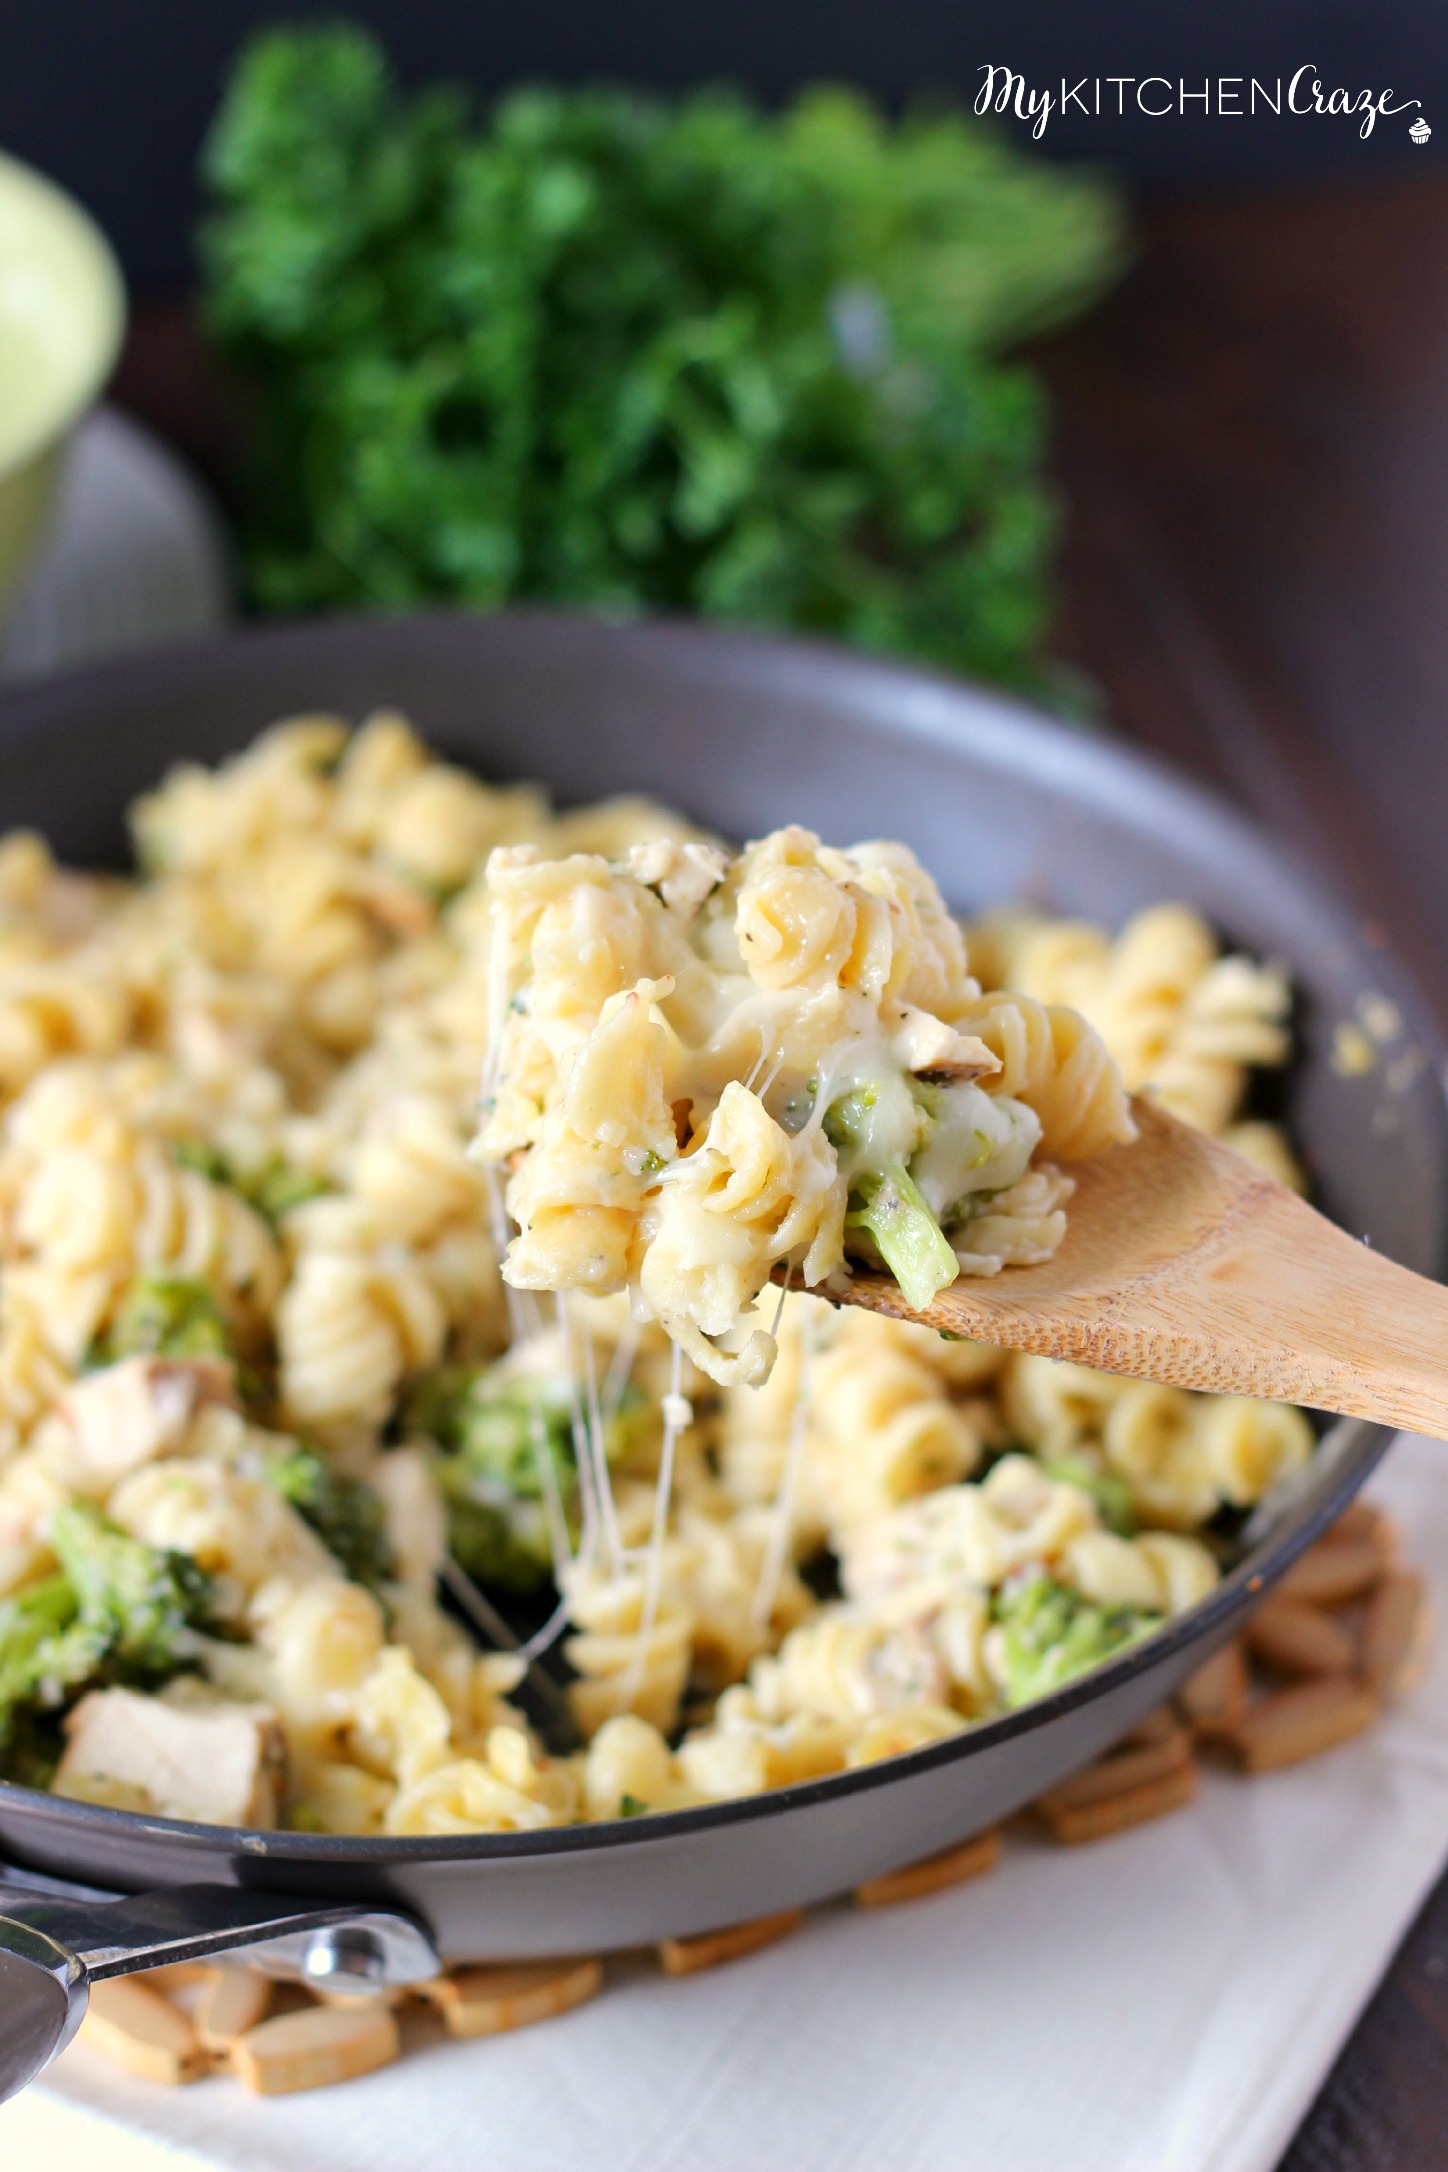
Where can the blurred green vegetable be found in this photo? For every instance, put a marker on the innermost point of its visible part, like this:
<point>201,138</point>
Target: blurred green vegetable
<point>278,1186</point>
<point>1108,1489</point>
<point>609,351</point>
<point>502,1542</point>
<point>273,1187</point>
<point>33,1624</point>
<point>494,1427</point>
<point>345,1513</point>
<point>115,1611</point>
<point>140,1602</point>
<point>1052,1634</point>
<point>173,1316</point>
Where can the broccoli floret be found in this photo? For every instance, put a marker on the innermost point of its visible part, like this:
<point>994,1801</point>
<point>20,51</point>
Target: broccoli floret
<point>203,1159</point>
<point>345,1513</point>
<point>874,1128</point>
<point>496,1422</point>
<point>503,1543</point>
<point>1107,1489</point>
<point>32,1623</point>
<point>161,1315</point>
<point>116,1611</point>
<point>491,1434</point>
<point>490,1426</point>
<point>438,1403</point>
<point>1052,1634</point>
<point>144,1603</point>
<point>273,1187</point>
<point>278,1186</point>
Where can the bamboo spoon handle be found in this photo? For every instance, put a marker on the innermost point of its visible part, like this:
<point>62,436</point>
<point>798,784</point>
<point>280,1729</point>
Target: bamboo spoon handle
<point>1183,1264</point>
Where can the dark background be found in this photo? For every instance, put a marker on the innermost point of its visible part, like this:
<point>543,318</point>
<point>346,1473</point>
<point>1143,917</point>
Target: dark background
<point>112,96</point>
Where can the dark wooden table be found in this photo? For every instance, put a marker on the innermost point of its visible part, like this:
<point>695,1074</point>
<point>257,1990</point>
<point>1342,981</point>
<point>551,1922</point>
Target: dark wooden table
<point>1253,437</point>
<point>1253,443</point>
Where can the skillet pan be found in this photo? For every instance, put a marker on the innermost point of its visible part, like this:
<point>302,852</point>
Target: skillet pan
<point>743,732</point>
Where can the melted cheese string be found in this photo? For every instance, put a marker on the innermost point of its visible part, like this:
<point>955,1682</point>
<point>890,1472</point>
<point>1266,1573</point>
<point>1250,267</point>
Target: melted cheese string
<point>524,1323</point>
<point>677,1414</point>
<point>781,1527</point>
<point>588,1430</point>
<point>620,1371</point>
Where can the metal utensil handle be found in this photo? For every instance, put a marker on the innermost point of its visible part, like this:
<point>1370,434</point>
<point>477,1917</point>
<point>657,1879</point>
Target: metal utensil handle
<point>54,1943</point>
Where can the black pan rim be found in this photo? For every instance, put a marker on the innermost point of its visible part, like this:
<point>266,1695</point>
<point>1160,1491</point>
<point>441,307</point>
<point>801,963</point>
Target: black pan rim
<point>924,697</point>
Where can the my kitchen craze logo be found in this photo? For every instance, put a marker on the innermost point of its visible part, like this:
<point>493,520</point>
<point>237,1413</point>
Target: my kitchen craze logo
<point>1226,97</point>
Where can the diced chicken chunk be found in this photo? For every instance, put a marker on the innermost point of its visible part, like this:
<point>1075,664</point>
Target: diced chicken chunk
<point>128,1414</point>
<point>932,1049</point>
<point>682,870</point>
<point>220,1764</point>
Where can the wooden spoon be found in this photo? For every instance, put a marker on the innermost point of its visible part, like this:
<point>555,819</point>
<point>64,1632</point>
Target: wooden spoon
<point>1183,1263</point>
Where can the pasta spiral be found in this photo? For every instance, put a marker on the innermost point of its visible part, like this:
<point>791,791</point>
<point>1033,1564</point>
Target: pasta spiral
<point>626,1661</point>
<point>882,1428</point>
<point>1183,1021</point>
<point>1056,1064</point>
<point>351,1326</point>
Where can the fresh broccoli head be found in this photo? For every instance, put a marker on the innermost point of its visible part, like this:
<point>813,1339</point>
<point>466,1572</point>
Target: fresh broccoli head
<point>1052,1634</point>
<point>115,1611</point>
<point>345,1513</point>
<point>174,1316</point>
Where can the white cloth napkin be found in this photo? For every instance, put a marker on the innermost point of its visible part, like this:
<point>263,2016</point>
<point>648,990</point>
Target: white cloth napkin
<point>1165,2001</point>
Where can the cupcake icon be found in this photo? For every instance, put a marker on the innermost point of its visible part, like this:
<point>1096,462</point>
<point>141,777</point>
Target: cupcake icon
<point>1420,131</point>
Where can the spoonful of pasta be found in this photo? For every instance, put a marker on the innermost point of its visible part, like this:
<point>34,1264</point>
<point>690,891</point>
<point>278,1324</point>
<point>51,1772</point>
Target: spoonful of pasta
<point>707,1074</point>
<point>1183,1263</point>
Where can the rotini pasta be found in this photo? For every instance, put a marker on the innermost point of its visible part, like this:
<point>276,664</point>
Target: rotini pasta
<point>1183,1021</point>
<point>630,1656</point>
<point>268,1387</point>
<point>708,1071</point>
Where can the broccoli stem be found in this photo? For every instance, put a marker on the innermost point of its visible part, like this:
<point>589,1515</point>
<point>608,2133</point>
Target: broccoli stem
<point>891,1207</point>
